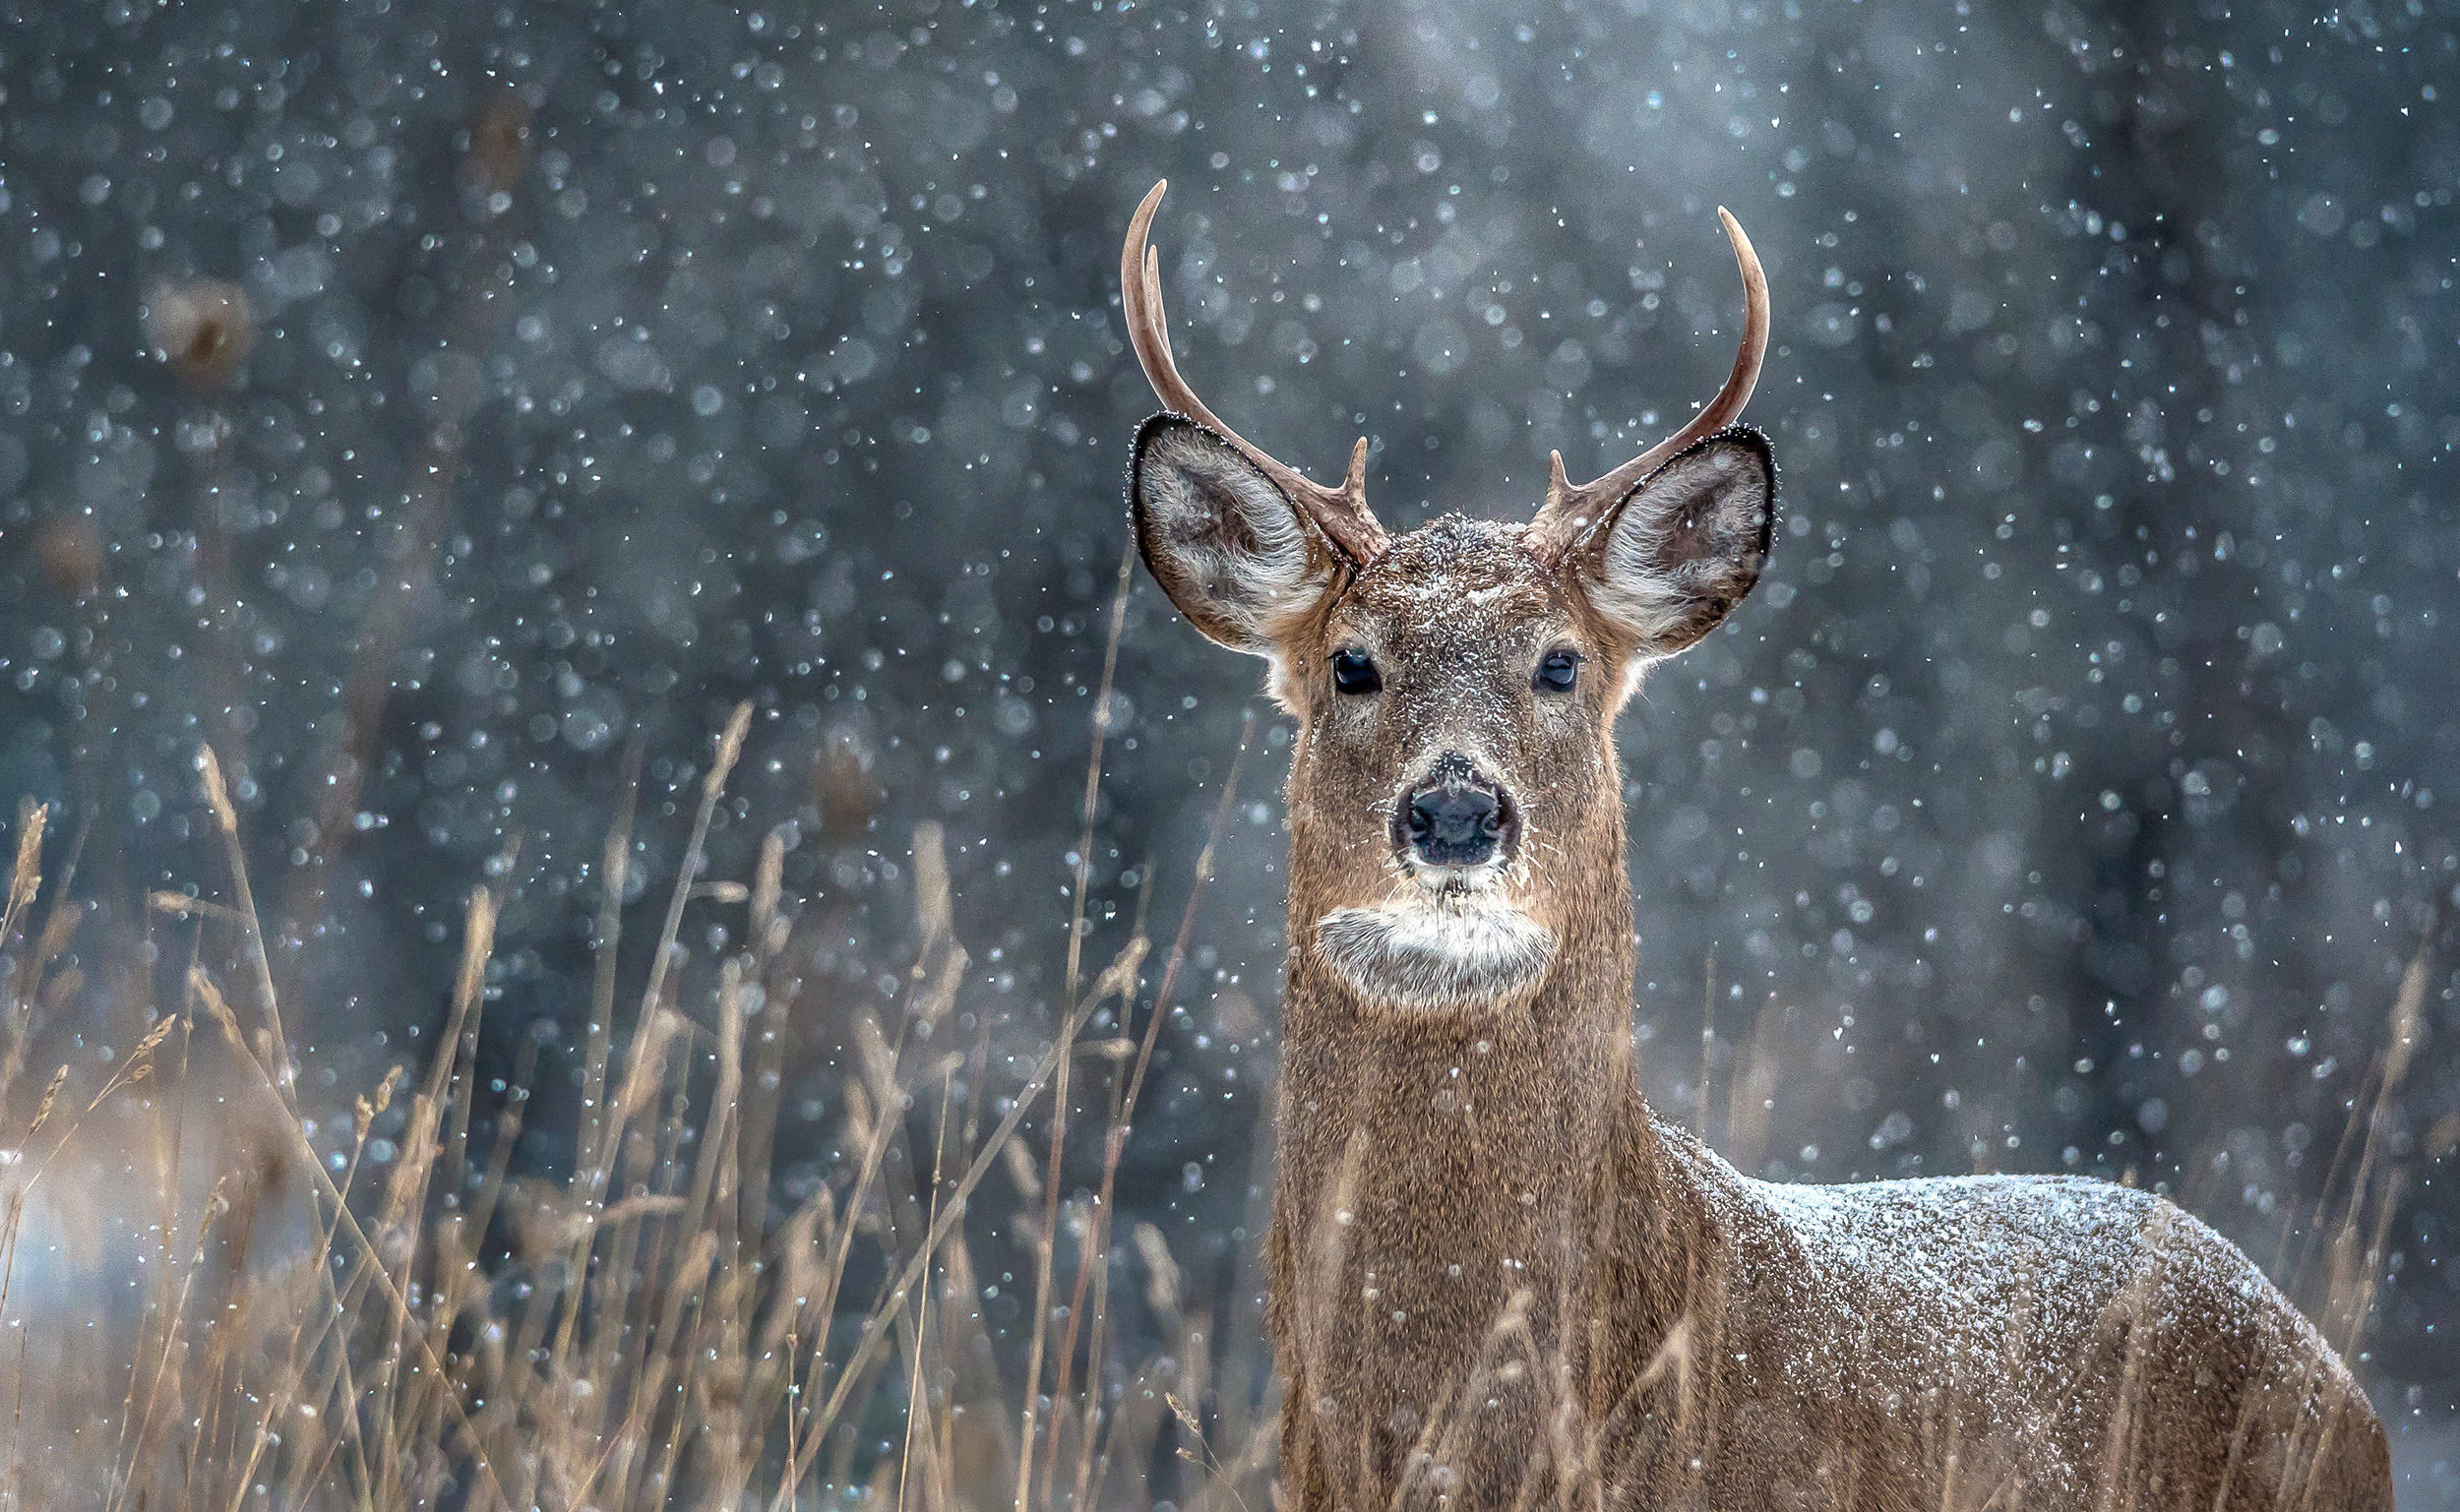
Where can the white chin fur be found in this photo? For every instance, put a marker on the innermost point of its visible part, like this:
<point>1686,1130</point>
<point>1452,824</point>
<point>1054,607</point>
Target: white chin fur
<point>1447,953</point>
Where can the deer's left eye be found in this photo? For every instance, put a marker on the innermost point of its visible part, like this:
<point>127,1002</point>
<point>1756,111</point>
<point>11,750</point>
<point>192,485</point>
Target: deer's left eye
<point>1558,671</point>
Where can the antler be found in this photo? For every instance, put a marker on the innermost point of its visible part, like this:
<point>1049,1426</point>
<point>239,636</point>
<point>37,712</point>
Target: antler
<point>1571,509</point>
<point>1342,514</point>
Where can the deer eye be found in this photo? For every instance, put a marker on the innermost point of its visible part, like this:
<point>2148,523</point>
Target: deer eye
<point>1558,671</point>
<point>1353,672</point>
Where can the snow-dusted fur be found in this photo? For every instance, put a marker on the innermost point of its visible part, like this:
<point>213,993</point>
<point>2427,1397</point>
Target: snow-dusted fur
<point>1499,1281</point>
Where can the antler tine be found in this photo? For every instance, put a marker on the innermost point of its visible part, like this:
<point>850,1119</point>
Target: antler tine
<point>1342,514</point>
<point>1571,509</point>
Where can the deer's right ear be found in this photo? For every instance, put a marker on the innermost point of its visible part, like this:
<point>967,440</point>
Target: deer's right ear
<point>1221,539</point>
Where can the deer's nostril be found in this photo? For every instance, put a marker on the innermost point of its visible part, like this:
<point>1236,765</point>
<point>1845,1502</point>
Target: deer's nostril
<point>1456,820</point>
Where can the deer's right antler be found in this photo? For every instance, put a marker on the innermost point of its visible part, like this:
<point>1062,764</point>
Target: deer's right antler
<point>1342,514</point>
<point>1571,509</point>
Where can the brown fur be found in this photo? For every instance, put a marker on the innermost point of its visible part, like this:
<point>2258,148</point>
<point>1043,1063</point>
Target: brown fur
<point>1498,1280</point>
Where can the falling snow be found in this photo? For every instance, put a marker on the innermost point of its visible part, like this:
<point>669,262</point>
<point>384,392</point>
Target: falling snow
<point>438,409</point>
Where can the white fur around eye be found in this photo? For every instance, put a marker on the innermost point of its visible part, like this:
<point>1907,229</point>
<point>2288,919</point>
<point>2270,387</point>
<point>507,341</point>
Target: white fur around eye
<point>1435,954</point>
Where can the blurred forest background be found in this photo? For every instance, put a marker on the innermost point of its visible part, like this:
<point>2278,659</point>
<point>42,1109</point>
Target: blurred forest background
<point>429,405</point>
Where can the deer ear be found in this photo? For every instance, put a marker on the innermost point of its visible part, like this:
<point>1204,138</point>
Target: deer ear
<point>1221,539</point>
<point>1682,548</point>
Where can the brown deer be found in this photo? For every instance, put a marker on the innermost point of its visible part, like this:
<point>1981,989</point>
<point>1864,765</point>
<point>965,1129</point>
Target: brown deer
<point>1498,1279</point>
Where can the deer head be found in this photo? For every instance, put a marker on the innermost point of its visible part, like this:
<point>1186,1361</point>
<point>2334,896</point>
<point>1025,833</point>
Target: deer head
<point>1454,803</point>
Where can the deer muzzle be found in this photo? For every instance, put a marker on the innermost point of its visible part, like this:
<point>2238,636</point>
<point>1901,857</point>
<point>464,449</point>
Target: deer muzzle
<point>1456,818</point>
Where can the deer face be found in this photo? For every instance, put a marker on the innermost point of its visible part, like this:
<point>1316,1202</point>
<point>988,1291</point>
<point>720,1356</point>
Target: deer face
<point>1454,803</point>
<point>1454,794</point>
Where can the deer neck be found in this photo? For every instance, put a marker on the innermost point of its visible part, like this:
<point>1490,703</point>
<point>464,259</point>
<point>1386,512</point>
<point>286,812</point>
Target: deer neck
<point>1491,1114</point>
<point>1438,1169</point>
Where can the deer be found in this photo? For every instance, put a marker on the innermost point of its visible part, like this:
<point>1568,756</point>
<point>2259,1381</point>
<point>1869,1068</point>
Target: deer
<point>1496,1276</point>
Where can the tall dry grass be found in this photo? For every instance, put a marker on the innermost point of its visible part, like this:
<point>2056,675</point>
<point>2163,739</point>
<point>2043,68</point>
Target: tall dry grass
<point>387,1315</point>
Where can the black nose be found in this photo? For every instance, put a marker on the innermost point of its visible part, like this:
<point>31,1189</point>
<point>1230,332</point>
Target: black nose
<point>1456,818</point>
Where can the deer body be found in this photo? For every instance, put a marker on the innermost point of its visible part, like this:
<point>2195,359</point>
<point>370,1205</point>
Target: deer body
<point>1497,1279</point>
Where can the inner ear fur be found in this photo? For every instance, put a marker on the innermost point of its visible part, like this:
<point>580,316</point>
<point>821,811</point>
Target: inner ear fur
<point>1671,560</point>
<point>1234,553</point>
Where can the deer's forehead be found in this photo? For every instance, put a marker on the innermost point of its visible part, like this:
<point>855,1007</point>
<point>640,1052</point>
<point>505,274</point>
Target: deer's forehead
<point>1454,614</point>
<point>1454,583</point>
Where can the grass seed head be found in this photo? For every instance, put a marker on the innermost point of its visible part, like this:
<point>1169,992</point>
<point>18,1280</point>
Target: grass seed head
<point>51,1095</point>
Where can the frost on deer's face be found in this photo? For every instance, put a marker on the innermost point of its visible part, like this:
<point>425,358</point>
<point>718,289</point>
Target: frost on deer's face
<point>1443,779</point>
<point>1455,801</point>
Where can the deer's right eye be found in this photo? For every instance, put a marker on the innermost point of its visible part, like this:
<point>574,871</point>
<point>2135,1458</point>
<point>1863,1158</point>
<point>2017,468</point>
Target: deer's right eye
<point>1558,671</point>
<point>1353,672</point>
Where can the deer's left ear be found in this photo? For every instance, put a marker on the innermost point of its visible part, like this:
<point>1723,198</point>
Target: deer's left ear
<point>1682,548</point>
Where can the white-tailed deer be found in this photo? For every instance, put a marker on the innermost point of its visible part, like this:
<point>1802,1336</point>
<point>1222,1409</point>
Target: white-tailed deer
<point>1498,1280</point>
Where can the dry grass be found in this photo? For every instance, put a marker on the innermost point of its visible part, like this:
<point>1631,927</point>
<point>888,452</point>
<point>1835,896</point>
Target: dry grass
<point>384,1315</point>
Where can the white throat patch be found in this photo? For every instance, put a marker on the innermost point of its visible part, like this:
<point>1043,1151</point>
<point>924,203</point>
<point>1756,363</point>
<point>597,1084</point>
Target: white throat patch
<point>1447,953</point>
